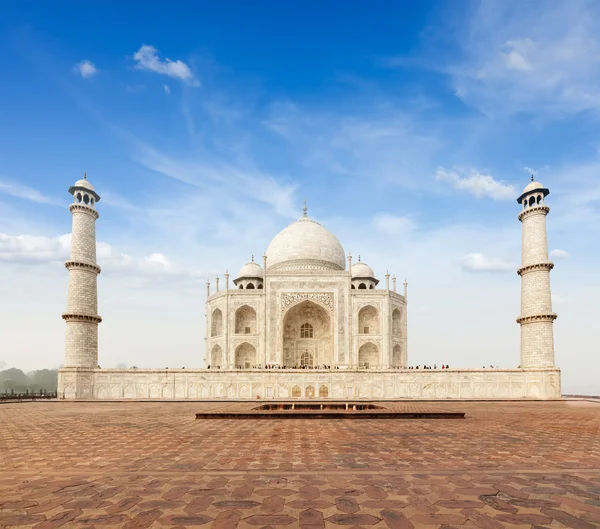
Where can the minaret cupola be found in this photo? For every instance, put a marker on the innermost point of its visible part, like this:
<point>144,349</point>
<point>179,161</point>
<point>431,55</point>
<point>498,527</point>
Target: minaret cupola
<point>251,276</point>
<point>363,277</point>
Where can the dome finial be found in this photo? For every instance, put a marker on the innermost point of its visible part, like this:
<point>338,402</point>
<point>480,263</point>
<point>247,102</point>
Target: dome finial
<point>532,177</point>
<point>252,257</point>
<point>359,258</point>
<point>305,209</point>
<point>84,175</point>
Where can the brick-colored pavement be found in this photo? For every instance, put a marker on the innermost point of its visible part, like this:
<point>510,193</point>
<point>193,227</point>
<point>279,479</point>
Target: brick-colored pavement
<point>147,464</point>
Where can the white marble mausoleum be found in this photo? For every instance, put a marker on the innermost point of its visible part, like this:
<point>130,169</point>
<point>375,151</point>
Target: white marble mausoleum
<point>307,306</point>
<point>307,323</point>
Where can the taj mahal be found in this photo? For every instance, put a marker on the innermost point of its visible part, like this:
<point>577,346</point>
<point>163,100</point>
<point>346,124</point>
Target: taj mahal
<point>306,323</point>
<point>306,308</point>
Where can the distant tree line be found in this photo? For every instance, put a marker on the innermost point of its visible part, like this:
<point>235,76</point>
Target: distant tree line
<point>16,381</point>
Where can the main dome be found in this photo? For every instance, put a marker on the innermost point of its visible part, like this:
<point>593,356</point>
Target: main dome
<point>305,245</point>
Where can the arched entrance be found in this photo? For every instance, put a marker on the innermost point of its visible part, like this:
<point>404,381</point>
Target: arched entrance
<point>307,336</point>
<point>245,356</point>
<point>368,356</point>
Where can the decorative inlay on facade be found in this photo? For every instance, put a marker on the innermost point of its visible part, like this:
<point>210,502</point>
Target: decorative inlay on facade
<point>85,266</point>
<point>533,209</point>
<point>323,298</point>
<point>299,265</point>
<point>536,317</point>
<point>239,341</point>
<point>81,317</point>
<point>362,341</point>
<point>375,304</point>
<point>537,266</point>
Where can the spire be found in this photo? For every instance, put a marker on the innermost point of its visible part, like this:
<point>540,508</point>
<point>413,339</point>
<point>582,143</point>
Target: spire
<point>252,257</point>
<point>532,178</point>
<point>84,175</point>
<point>305,209</point>
<point>359,258</point>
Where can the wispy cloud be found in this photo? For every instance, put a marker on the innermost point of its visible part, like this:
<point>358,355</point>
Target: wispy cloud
<point>166,89</point>
<point>560,254</point>
<point>147,58</point>
<point>86,69</point>
<point>15,189</point>
<point>477,262</point>
<point>476,183</point>
<point>530,57</point>
<point>204,171</point>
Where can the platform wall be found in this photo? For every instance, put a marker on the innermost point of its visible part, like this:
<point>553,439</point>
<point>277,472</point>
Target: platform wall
<point>197,384</point>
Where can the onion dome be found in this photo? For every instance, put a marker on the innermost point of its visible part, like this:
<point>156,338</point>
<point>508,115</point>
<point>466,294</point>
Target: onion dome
<point>362,270</point>
<point>305,245</point>
<point>251,270</point>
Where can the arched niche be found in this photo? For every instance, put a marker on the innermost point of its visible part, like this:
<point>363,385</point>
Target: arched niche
<point>368,355</point>
<point>216,323</point>
<point>245,356</point>
<point>396,322</point>
<point>368,320</point>
<point>397,356</point>
<point>245,320</point>
<point>216,356</point>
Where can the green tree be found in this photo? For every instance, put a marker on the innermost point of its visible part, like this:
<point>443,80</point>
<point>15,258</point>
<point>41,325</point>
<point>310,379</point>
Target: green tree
<point>46,379</point>
<point>13,379</point>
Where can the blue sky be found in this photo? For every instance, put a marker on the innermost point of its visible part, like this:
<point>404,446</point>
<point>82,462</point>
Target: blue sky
<point>409,127</point>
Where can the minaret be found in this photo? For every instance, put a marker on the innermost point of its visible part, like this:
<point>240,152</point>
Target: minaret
<point>82,318</point>
<point>536,320</point>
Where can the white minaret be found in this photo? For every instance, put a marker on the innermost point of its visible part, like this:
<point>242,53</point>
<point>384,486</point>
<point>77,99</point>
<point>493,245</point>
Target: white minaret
<point>82,318</point>
<point>536,320</point>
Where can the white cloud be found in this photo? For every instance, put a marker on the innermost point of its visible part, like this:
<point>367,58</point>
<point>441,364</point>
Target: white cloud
<point>34,249</point>
<point>476,183</point>
<point>28,193</point>
<point>147,59</point>
<point>559,253</point>
<point>392,224</point>
<point>476,262</point>
<point>86,69</point>
<point>529,57</point>
<point>166,89</point>
<point>516,56</point>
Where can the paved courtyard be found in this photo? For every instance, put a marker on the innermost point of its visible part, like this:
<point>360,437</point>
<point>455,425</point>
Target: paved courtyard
<point>149,464</point>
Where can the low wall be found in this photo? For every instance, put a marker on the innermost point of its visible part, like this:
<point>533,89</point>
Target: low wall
<point>194,384</point>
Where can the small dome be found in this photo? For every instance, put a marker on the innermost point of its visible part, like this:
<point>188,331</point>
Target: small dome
<point>84,182</point>
<point>361,269</point>
<point>251,270</point>
<point>532,186</point>
<point>306,244</point>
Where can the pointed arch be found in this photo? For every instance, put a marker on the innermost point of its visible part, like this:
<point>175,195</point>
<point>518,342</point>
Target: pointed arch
<point>216,356</point>
<point>245,356</point>
<point>245,320</point>
<point>368,320</point>
<point>397,322</point>
<point>307,331</point>
<point>368,355</point>
<point>397,356</point>
<point>216,323</point>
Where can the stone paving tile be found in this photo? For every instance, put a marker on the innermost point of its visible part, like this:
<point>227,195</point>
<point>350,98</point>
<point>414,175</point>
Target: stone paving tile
<point>153,465</point>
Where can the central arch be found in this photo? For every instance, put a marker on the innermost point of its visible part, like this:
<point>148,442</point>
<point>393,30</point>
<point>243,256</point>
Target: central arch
<point>307,336</point>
